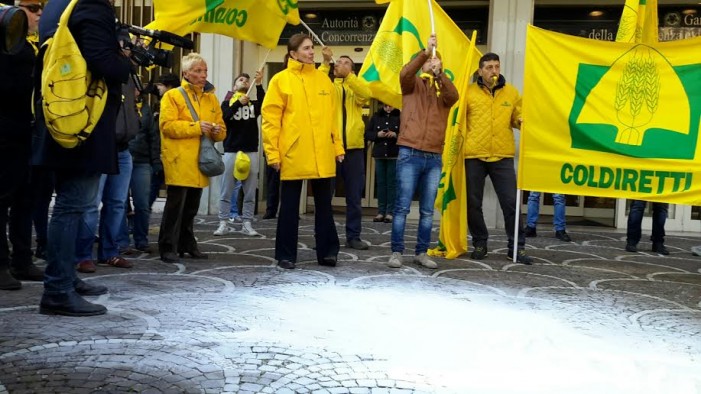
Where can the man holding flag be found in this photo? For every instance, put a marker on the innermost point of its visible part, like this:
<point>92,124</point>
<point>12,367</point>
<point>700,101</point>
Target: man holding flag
<point>426,103</point>
<point>493,110</point>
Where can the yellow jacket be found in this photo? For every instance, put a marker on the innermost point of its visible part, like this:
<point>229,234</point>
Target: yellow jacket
<point>180,135</point>
<point>357,95</point>
<point>491,120</point>
<point>300,128</point>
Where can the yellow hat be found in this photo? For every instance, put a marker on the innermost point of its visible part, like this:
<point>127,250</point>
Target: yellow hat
<point>242,166</point>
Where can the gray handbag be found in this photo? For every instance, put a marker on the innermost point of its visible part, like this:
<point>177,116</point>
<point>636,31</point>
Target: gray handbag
<point>209,160</point>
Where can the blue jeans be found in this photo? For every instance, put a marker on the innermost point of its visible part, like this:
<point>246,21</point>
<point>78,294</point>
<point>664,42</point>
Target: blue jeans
<point>386,177</point>
<point>140,182</point>
<point>75,194</point>
<point>415,168</point>
<point>113,193</point>
<point>559,222</point>
<point>635,220</point>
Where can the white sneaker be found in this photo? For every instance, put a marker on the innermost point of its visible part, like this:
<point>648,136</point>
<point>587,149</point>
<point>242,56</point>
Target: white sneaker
<point>425,261</point>
<point>395,261</point>
<point>247,229</point>
<point>223,228</point>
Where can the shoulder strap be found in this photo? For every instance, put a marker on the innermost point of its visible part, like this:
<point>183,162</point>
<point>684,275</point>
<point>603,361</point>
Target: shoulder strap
<point>189,104</point>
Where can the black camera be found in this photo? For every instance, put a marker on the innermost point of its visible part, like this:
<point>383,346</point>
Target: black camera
<point>149,55</point>
<point>13,29</point>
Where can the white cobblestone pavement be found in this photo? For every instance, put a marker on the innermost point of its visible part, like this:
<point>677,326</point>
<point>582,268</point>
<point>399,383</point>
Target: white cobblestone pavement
<point>587,317</point>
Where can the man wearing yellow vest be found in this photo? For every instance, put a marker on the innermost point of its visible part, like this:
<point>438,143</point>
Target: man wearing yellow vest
<point>353,93</point>
<point>493,111</point>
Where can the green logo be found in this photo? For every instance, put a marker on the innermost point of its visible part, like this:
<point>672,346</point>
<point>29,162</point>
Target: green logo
<point>633,108</point>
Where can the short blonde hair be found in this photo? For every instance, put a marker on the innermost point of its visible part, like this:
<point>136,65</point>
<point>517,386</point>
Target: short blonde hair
<point>190,60</point>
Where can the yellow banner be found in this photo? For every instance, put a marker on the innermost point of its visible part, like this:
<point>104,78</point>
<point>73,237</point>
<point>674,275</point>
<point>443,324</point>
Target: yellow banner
<point>611,119</point>
<point>639,22</point>
<point>259,21</point>
<point>403,32</point>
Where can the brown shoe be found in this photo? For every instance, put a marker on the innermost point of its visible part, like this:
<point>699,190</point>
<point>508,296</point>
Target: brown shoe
<point>118,261</point>
<point>86,266</point>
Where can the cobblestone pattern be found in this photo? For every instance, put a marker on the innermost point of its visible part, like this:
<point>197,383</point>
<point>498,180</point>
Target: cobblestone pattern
<point>612,320</point>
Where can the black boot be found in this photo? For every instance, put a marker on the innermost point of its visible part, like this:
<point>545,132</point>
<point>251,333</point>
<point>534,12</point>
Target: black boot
<point>7,281</point>
<point>28,272</point>
<point>84,288</point>
<point>658,247</point>
<point>69,304</point>
<point>40,252</point>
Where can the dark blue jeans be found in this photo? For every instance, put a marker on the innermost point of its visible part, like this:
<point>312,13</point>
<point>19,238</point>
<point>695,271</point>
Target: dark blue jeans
<point>140,193</point>
<point>75,194</point>
<point>422,170</point>
<point>352,169</point>
<point>635,220</point>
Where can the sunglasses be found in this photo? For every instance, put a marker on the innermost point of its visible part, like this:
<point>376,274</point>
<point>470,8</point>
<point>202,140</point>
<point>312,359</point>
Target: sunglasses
<point>33,8</point>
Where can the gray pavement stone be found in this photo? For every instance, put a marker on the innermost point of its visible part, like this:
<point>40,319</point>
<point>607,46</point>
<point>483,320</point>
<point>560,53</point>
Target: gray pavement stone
<point>235,323</point>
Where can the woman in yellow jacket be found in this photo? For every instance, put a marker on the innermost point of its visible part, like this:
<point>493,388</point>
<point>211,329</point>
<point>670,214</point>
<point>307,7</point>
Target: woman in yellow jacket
<point>302,141</point>
<point>180,145</point>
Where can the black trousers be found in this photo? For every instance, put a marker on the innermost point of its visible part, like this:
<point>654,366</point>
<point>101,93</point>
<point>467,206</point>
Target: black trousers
<point>177,233</point>
<point>272,184</point>
<point>325,234</point>
<point>15,207</point>
<point>503,178</point>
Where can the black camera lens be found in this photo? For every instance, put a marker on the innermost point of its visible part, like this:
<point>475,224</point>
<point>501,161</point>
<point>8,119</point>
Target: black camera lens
<point>13,29</point>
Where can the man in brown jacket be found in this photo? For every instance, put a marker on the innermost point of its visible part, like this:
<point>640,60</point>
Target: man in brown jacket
<point>426,102</point>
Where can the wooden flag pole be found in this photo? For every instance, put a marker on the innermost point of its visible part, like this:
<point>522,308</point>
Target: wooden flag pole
<point>433,22</point>
<point>262,65</point>
<point>315,36</point>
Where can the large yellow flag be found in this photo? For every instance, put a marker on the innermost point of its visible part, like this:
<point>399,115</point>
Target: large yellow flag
<point>403,32</point>
<point>259,21</point>
<point>612,119</point>
<point>639,22</point>
<point>451,198</point>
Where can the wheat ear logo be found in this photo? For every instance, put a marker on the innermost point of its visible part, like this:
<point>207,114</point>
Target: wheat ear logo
<point>641,105</point>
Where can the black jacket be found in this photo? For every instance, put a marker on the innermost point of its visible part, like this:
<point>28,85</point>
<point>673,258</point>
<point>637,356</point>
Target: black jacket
<point>16,87</point>
<point>146,146</point>
<point>384,148</point>
<point>242,123</point>
<point>92,24</point>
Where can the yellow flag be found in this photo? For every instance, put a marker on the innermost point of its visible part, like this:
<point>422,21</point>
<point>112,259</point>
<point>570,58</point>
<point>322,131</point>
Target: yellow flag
<point>639,22</point>
<point>259,21</point>
<point>403,32</point>
<point>451,198</point>
<point>612,119</point>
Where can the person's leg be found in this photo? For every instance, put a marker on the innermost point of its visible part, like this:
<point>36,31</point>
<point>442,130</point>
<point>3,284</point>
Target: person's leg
<point>249,188</point>
<point>20,230</point>
<point>559,221</point>
<point>227,186</point>
<point>503,178</point>
<point>381,184</point>
<point>429,178</point>
<point>635,220</point>
<point>533,209</point>
<point>325,235</point>
<point>171,221</point>
<point>140,181</point>
<point>43,189</point>
<point>87,231</point>
<point>7,281</point>
<point>353,172</point>
<point>272,184</point>
<point>187,242</point>
<point>157,180</point>
<point>476,171</point>
<point>288,221</point>
<point>113,212</point>
<point>76,193</point>
<point>407,179</point>
<point>235,212</point>
<point>391,176</point>
<point>659,217</point>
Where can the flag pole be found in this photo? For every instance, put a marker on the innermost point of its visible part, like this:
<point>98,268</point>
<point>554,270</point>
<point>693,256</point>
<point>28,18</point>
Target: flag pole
<point>315,36</point>
<point>517,218</point>
<point>433,22</point>
<point>265,60</point>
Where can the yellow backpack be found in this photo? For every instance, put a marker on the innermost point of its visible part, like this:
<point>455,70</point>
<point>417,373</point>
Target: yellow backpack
<point>72,100</point>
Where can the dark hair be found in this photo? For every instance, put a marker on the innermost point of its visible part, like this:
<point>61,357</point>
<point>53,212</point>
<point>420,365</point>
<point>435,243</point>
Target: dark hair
<point>170,80</point>
<point>242,75</point>
<point>347,57</point>
<point>488,57</point>
<point>293,44</point>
